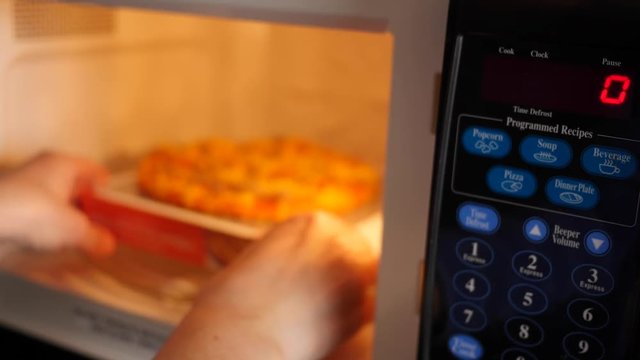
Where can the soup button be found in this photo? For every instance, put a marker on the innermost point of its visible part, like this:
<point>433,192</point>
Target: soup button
<point>609,162</point>
<point>546,152</point>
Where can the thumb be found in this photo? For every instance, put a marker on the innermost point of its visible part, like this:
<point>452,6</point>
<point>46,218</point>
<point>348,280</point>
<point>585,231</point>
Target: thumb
<point>70,228</point>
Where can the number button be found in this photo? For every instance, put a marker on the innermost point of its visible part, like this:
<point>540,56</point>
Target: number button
<point>468,316</point>
<point>592,280</point>
<point>524,332</point>
<point>531,265</point>
<point>588,314</point>
<point>581,346</point>
<point>475,252</point>
<point>528,299</point>
<point>471,285</point>
<point>517,354</point>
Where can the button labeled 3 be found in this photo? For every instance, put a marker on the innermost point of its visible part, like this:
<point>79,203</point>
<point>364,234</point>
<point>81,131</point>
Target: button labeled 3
<point>592,280</point>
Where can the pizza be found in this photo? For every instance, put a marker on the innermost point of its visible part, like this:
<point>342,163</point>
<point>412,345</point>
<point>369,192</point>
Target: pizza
<point>265,180</point>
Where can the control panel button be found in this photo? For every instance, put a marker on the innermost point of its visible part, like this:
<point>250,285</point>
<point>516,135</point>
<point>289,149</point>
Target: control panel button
<point>528,299</point>
<point>592,280</point>
<point>524,332</point>
<point>468,316</point>
<point>573,193</point>
<point>581,346</point>
<point>609,162</point>
<point>546,152</point>
<point>486,142</point>
<point>588,314</point>
<point>511,182</point>
<point>531,265</point>
<point>536,230</point>
<point>472,285</point>
<point>517,354</point>
<point>597,243</point>
<point>475,252</point>
<point>465,347</point>
<point>478,218</point>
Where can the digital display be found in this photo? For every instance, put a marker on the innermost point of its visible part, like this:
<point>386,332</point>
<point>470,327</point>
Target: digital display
<point>546,85</point>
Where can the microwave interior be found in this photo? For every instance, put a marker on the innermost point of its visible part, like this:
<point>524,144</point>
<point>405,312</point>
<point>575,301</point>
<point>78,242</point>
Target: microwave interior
<point>114,84</point>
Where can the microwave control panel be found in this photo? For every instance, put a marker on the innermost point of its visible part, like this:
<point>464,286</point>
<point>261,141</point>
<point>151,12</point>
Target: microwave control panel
<point>535,241</point>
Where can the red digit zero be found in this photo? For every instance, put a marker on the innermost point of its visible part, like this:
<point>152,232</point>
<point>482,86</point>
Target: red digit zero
<point>622,96</point>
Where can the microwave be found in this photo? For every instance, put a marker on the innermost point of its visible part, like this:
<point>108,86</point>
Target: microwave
<point>112,79</point>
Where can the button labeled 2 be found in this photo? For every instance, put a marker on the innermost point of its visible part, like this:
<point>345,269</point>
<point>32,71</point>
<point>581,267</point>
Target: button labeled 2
<point>531,265</point>
<point>609,162</point>
<point>546,152</point>
<point>511,182</point>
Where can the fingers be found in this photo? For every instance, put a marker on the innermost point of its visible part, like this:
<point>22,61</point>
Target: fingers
<point>67,227</point>
<point>62,175</point>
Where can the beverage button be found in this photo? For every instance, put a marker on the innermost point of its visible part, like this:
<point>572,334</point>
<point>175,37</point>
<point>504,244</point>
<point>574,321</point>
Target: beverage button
<point>592,280</point>
<point>517,354</point>
<point>528,299</point>
<point>581,346</point>
<point>572,193</point>
<point>546,152</point>
<point>536,230</point>
<point>486,142</point>
<point>475,252</point>
<point>524,332</point>
<point>531,265</point>
<point>465,347</point>
<point>597,243</point>
<point>609,162</point>
<point>468,316</point>
<point>588,314</point>
<point>512,182</point>
<point>471,285</point>
<point>478,218</point>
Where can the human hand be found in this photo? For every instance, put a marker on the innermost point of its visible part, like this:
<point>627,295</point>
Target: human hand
<point>36,206</point>
<point>297,294</point>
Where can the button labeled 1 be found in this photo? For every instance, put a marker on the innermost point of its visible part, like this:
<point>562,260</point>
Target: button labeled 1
<point>475,252</point>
